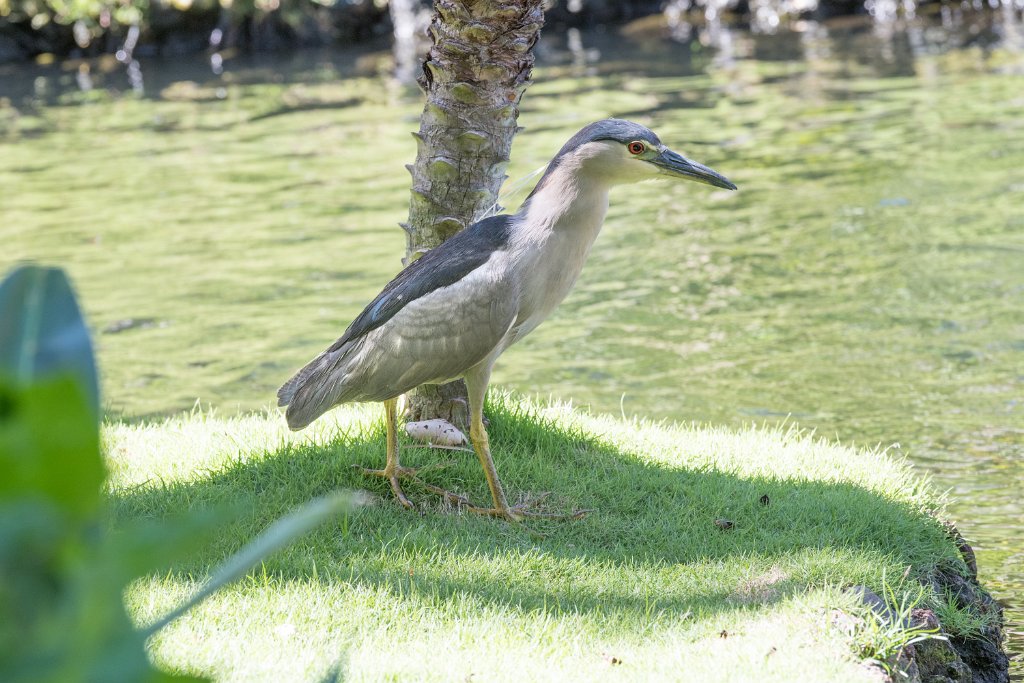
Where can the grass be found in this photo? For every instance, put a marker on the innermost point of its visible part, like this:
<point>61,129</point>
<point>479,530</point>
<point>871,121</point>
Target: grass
<point>648,587</point>
<point>879,638</point>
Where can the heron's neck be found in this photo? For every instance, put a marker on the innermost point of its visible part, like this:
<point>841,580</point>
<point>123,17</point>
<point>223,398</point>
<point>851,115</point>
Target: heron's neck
<point>568,204</point>
<point>550,241</point>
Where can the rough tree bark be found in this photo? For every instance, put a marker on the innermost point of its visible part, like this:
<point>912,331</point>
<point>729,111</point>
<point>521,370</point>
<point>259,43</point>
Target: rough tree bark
<point>479,65</point>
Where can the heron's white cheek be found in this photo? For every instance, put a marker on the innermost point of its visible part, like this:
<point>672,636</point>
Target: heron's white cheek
<point>636,170</point>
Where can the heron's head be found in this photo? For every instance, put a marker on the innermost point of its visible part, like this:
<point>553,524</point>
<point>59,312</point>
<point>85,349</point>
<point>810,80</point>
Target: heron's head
<point>618,152</point>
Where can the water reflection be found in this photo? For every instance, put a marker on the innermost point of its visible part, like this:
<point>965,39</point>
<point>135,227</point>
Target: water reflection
<point>409,19</point>
<point>889,41</point>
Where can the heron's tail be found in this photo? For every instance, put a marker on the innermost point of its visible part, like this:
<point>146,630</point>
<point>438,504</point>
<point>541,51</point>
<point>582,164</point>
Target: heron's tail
<point>312,391</point>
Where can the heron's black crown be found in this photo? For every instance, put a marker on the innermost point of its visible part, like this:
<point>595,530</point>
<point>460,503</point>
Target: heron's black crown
<point>608,129</point>
<point>618,130</point>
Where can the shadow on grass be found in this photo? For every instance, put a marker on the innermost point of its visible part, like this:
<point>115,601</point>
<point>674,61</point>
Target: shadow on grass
<point>653,535</point>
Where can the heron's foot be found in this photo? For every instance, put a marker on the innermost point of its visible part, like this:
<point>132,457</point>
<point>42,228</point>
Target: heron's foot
<point>526,510</point>
<point>512,513</point>
<point>449,497</point>
<point>401,471</point>
<point>410,474</point>
<point>393,475</point>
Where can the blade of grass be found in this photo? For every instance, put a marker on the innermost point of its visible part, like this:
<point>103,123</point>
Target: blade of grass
<point>276,536</point>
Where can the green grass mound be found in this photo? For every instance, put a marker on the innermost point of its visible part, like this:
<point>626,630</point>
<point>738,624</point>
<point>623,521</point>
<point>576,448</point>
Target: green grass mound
<point>649,586</point>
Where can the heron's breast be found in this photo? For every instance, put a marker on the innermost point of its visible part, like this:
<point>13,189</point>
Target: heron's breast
<point>554,238</point>
<point>546,279</point>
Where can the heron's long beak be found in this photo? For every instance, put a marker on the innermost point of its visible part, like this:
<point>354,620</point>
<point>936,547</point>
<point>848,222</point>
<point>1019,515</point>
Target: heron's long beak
<point>678,166</point>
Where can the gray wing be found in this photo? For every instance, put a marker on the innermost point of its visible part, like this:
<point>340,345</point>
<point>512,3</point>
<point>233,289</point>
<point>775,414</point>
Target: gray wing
<point>439,267</point>
<point>435,337</point>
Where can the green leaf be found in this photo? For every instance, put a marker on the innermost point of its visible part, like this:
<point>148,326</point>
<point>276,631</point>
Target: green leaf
<point>61,576</point>
<point>62,580</point>
<point>50,447</point>
<point>149,545</point>
<point>279,534</point>
<point>42,332</point>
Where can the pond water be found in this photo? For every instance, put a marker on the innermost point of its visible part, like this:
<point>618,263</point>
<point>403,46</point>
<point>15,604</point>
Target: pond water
<point>866,281</point>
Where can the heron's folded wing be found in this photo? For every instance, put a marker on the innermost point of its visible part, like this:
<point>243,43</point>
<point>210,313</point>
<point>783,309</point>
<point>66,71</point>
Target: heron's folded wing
<point>439,317</point>
<point>432,339</point>
<point>438,336</point>
<point>440,267</point>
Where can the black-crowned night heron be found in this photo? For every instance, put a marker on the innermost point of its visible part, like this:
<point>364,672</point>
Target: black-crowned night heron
<point>451,313</point>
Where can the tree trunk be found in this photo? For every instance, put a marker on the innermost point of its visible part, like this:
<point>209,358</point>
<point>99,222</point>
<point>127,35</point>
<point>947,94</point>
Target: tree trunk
<point>479,65</point>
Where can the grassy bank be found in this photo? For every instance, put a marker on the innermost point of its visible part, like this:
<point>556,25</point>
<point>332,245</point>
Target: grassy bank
<point>648,587</point>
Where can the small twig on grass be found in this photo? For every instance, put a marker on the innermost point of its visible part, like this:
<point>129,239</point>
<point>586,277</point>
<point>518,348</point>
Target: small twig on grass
<point>440,447</point>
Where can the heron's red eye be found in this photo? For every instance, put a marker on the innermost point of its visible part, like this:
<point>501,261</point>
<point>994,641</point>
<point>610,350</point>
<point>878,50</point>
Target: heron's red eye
<point>637,147</point>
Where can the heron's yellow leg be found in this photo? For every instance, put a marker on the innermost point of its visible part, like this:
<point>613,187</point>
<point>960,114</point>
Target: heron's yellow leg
<point>393,469</point>
<point>476,382</point>
<point>501,507</point>
<point>482,446</point>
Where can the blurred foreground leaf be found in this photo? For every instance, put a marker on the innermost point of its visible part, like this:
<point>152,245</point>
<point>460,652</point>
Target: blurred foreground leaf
<point>50,448</point>
<point>61,614</point>
<point>62,571</point>
<point>42,332</point>
<point>276,536</point>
